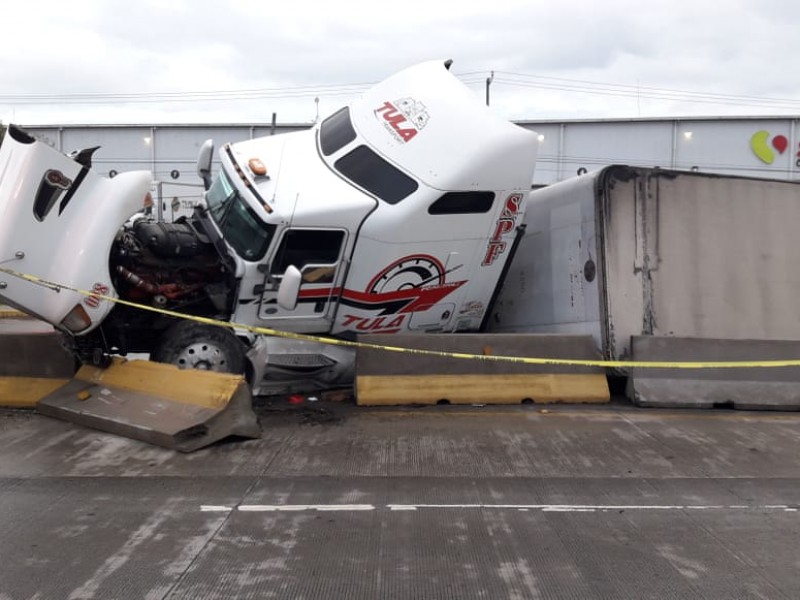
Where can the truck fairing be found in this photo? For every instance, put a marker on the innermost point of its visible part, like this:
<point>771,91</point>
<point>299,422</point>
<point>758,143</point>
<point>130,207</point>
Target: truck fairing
<point>425,121</point>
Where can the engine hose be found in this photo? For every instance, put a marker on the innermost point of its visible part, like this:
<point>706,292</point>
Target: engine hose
<point>137,281</point>
<point>173,291</point>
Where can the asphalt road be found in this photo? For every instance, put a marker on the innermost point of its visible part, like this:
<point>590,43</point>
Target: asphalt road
<point>337,501</point>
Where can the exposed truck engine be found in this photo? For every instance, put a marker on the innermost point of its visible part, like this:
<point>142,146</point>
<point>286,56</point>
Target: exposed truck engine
<point>172,266</point>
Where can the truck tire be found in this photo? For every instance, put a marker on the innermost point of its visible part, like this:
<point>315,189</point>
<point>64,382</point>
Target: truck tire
<point>191,345</point>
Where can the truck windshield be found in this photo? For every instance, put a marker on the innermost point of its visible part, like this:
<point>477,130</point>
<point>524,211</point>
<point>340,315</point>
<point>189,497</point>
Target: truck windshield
<point>248,235</point>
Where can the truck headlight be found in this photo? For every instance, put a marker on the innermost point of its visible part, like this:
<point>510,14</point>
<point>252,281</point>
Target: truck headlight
<point>77,320</point>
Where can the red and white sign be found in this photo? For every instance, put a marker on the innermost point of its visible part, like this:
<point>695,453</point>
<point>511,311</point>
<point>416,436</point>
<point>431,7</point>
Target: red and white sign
<point>503,226</point>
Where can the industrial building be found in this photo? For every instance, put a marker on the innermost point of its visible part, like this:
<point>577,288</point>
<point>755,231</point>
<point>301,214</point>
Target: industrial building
<point>749,146</point>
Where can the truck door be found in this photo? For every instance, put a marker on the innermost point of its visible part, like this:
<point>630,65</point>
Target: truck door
<point>318,254</point>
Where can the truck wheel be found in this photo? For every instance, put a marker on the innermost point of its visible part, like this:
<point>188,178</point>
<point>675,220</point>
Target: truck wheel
<point>191,345</point>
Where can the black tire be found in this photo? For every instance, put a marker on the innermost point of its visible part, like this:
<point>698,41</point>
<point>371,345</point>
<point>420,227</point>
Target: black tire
<point>191,345</point>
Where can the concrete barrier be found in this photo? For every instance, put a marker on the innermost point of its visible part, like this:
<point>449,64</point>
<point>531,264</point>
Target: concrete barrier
<point>156,403</point>
<point>33,362</point>
<point>773,388</point>
<point>397,378</point>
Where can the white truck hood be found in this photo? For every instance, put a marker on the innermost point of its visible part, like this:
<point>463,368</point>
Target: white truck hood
<point>58,220</point>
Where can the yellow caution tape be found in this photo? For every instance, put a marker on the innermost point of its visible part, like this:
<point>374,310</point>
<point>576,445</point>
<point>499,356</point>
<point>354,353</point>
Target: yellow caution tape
<point>339,342</point>
<point>10,313</point>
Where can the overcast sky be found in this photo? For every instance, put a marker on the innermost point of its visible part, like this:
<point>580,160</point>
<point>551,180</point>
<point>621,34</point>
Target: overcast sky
<point>239,61</point>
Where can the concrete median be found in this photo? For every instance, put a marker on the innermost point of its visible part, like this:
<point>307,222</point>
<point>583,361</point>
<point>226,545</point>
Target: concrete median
<point>762,388</point>
<point>156,403</point>
<point>33,362</point>
<point>397,378</point>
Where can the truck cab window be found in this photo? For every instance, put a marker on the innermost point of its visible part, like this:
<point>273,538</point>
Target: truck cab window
<point>462,203</point>
<point>315,252</point>
<point>366,169</point>
<point>336,132</point>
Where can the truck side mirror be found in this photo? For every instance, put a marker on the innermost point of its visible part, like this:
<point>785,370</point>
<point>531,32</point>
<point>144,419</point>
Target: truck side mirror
<point>289,289</point>
<point>204,158</point>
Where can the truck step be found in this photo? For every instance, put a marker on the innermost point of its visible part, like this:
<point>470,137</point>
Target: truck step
<point>300,361</point>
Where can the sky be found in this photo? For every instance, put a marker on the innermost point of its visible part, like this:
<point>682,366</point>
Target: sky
<point>240,61</point>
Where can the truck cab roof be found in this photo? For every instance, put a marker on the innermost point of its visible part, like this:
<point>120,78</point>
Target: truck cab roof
<point>407,140</point>
<point>426,122</point>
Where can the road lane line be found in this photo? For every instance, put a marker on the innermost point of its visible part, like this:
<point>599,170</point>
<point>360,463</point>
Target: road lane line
<point>518,507</point>
<point>301,507</point>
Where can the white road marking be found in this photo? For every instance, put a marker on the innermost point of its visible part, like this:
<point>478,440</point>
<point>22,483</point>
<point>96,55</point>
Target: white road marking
<point>518,507</point>
<point>299,507</point>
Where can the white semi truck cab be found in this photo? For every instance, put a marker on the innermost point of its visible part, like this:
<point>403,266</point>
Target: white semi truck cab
<point>395,214</point>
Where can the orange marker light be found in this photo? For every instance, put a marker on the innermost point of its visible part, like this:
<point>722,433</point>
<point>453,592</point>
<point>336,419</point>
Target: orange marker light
<point>257,167</point>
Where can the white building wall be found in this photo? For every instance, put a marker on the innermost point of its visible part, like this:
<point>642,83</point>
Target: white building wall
<point>719,145</point>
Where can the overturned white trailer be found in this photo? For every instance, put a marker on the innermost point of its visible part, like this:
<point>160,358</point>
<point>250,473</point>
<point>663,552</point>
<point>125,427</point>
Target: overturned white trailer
<point>666,265</point>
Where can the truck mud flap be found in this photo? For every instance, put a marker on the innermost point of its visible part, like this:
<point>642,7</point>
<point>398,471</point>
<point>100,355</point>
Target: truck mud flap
<point>156,403</point>
<point>33,361</point>
<point>754,388</point>
<point>398,378</point>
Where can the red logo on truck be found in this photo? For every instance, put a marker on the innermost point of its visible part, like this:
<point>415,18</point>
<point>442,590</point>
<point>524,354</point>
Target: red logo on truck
<point>504,225</point>
<point>403,118</point>
<point>414,283</point>
<point>101,289</point>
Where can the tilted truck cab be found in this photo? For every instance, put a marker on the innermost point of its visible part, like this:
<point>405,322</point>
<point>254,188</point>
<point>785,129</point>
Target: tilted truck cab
<point>398,211</point>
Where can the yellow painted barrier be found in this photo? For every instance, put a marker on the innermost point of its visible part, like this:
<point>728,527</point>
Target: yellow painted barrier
<point>539,388</point>
<point>156,403</point>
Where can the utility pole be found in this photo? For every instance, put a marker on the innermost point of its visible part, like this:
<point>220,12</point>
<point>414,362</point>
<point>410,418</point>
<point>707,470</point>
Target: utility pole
<point>488,83</point>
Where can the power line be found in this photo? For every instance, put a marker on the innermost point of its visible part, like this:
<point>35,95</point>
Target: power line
<point>646,88</point>
<point>472,78</point>
<point>201,96</point>
<point>631,91</point>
